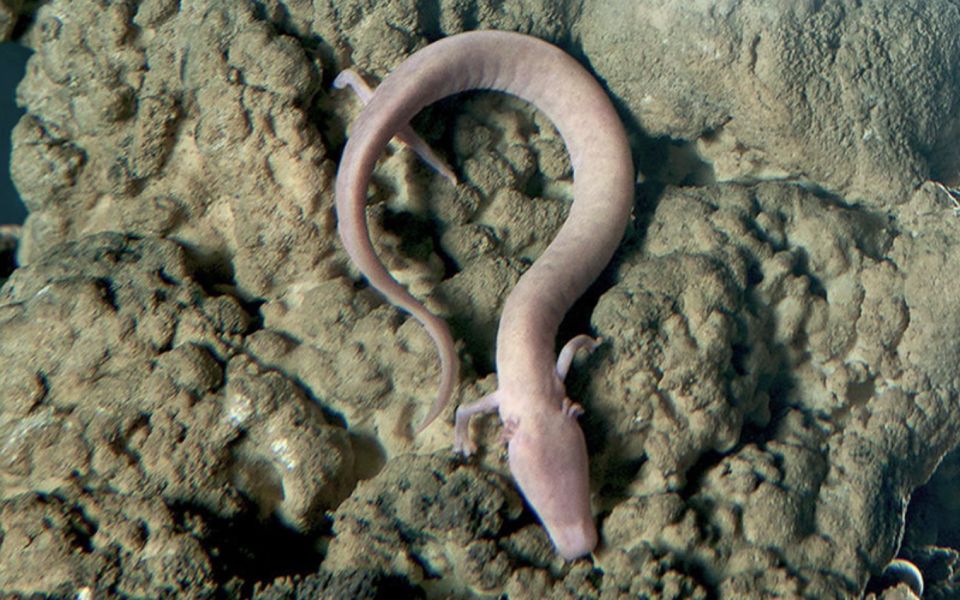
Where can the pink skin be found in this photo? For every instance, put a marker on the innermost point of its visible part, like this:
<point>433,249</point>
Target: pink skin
<point>546,448</point>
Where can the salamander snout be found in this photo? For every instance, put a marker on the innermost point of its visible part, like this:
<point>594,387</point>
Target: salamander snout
<point>548,459</point>
<point>574,540</point>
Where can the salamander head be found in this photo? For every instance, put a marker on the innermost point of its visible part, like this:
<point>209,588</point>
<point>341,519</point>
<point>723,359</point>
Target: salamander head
<point>548,459</point>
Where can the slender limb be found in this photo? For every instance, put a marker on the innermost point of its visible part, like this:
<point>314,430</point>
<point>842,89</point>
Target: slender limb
<point>406,134</point>
<point>350,78</point>
<point>571,348</point>
<point>462,441</point>
<point>426,153</point>
<point>571,408</point>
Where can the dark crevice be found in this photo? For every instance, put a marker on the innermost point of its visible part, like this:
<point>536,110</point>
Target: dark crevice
<point>619,474</point>
<point>801,268</point>
<point>107,293</point>
<point>469,17</point>
<point>8,255</point>
<point>25,20</point>
<point>78,527</point>
<point>251,550</point>
<point>739,358</point>
<point>166,278</point>
<point>419,236</point>
<point>210,271</point>
<point>80,530</point>
<point>698,470</point>
<point>429,25</point>
<point>932,518</point>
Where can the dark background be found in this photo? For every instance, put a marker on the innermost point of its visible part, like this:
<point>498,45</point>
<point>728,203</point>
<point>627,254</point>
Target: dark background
<point>13,60</point>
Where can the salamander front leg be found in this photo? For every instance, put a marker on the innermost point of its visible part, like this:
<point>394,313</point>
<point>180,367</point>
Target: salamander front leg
<point>580,342</point>
<point>462,442</point>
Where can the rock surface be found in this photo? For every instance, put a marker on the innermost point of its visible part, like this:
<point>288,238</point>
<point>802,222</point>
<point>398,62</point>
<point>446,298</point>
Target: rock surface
<point>199,397</point>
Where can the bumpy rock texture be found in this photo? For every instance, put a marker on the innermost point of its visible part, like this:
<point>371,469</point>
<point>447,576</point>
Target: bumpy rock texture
<point>198,396</point>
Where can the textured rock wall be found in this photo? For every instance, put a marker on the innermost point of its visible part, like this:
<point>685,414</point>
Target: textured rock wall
<point>199,397</point>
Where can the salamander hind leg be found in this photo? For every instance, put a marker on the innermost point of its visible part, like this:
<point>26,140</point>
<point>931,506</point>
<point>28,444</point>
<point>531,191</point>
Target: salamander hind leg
<point>406,134</point>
